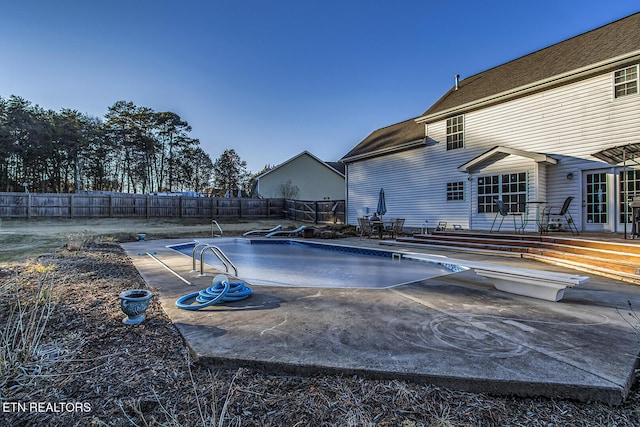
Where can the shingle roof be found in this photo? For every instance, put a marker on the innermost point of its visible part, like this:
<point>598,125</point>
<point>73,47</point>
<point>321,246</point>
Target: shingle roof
<point>396,137</point>
<point>609,41</point>
<point>337,166</point>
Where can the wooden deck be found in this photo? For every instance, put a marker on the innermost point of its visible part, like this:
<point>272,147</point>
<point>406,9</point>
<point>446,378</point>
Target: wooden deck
<point>607,254</point>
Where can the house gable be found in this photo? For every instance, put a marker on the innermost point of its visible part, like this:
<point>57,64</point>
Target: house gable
<point>315,179</point>
<point>328,165</point>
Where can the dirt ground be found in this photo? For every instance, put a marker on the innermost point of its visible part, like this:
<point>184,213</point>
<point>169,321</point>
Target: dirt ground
<point>67,359</point>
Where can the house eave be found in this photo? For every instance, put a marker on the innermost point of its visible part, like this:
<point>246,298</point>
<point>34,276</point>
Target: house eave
<point>383,152</point>
<point>533,87</point>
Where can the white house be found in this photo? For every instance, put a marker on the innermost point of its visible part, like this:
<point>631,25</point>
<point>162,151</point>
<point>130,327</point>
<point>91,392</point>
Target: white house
<point>560,122</point>
<point>311,177</point>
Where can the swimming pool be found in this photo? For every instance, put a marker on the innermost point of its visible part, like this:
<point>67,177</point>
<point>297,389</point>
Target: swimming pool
<point>312,264</point>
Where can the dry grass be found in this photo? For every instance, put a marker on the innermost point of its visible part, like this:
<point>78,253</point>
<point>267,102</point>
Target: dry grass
<point>25,307</point>
<point>20,239</point>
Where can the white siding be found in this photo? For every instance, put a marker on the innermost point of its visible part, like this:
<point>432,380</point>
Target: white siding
<point>568,123</point>
<point>314,180</point>
<point>415,189</point>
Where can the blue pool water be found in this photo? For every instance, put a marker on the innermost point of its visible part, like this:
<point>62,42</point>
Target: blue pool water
<point>310,264</point>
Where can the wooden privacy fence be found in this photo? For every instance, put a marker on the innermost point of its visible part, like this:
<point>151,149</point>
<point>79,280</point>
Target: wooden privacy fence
<point>317,212</point>
<point>124,205</point>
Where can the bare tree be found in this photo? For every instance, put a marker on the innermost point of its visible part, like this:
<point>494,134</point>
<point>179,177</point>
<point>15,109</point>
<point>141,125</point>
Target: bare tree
<point>288,190</point>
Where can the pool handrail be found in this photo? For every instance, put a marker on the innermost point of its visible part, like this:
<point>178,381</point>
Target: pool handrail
<point>214,222</point>
<point>222,257</point>
<point>193,254</point>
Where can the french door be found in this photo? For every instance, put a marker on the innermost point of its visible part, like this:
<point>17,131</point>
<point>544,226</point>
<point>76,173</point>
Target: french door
<point>596,201</point>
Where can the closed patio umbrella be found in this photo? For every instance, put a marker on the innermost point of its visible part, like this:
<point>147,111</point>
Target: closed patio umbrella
<point>382,204</point>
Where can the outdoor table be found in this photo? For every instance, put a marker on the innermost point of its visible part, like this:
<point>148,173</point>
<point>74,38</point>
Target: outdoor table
<point>380,226</point>
<point>538,218</point>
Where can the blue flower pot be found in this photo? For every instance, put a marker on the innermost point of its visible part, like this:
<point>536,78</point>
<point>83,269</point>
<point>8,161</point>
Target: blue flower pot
<point>134,303</point>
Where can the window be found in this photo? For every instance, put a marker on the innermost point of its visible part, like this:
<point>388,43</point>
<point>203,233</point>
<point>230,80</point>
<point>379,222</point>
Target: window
<point>455,132</point>
<point>626,81</point>
<point>632,182</point>
<point>455,190</point>
<point>511,188</point>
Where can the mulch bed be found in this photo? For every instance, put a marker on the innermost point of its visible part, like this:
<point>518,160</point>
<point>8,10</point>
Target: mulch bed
<point>88,368</point>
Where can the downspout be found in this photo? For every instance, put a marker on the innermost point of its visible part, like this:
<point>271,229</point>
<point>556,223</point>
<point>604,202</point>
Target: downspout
<point>346,193</point>
<point>470,181</point>
<point>626,190</point>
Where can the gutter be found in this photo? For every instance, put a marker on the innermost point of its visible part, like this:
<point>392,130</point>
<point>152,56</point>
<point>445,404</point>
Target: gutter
<point>537,86</point>
<point>407,145</point>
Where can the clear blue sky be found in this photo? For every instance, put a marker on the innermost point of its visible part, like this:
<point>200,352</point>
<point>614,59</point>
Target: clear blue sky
<point>271,78</point>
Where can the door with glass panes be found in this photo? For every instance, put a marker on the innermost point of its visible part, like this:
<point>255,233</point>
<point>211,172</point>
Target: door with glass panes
<point>595,201</point>
<point>628,189</point>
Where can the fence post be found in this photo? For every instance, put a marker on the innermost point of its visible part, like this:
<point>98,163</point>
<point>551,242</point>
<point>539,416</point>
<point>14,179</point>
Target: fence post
<point>71,205</point>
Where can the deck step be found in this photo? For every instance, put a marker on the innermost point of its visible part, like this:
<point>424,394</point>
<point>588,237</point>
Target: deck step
<point>611,259</point>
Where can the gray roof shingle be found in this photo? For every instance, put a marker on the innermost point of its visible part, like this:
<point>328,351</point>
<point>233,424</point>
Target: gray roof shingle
<point>609,41</point>
<point>388,139</point>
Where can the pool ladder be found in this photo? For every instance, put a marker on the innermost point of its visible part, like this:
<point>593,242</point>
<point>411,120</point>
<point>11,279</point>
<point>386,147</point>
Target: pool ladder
<point>224,259</point>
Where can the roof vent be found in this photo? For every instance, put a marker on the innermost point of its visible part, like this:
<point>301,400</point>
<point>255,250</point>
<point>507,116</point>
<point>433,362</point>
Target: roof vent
<point>457,77</point>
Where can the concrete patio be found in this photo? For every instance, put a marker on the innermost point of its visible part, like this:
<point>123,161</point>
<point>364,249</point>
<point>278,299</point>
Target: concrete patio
<point>455,331</point>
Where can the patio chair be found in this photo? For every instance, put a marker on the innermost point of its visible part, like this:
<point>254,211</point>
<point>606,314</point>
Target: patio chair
<point>365,227</point>
<point>287,232</point>
<point>564,213</point>
<point>276,228</point>
<point>503,212</point>
<point>398,225</point>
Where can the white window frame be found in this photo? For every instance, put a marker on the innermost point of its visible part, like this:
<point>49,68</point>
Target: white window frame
<point>455,191</point>
<point>511,188</point>
<point>455,132</point>
<point>625,81</point>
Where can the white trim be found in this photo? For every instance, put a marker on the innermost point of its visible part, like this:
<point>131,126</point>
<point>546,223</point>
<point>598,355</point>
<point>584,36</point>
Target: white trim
<point>537,157</point>
<point>401,147</point>
<point>294,158</point>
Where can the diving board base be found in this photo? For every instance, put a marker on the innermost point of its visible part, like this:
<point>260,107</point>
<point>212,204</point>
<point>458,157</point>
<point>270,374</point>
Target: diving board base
<point>535,287</point>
